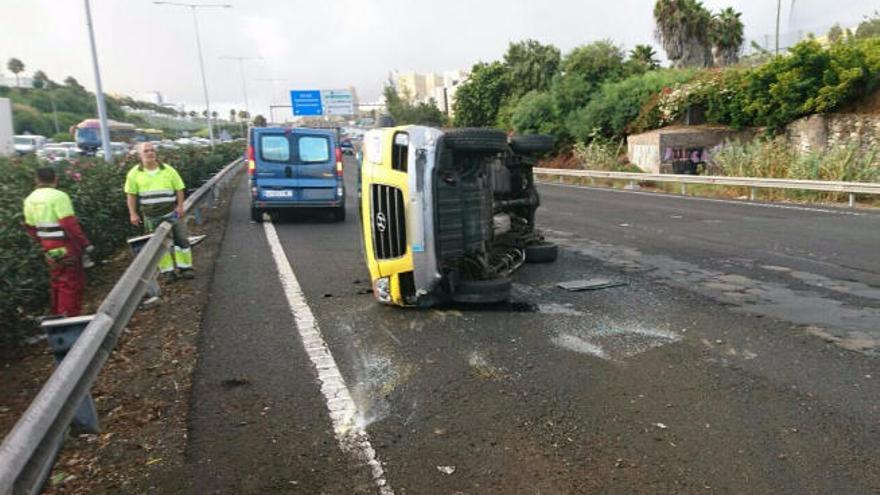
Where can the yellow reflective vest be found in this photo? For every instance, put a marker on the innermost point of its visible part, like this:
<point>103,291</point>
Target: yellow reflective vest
<point>156,190</point>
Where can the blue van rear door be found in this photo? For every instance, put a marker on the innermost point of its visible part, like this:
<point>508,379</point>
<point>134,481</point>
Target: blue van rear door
<point>316,166</point>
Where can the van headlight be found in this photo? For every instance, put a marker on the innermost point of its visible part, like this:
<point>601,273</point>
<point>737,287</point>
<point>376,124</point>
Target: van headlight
<point>382,289</point>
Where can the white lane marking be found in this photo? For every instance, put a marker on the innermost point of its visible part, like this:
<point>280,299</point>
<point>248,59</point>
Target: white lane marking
<point>352,438</point>
<point>711,200</point>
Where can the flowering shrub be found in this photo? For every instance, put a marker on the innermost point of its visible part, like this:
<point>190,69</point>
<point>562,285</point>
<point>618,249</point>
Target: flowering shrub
<point>95,188</point>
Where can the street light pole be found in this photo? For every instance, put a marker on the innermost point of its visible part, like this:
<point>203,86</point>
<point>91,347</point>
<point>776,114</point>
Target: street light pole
<point>241,71</point>
<point>778,13</point>
<point>193,7</point>
<point>99,91</point>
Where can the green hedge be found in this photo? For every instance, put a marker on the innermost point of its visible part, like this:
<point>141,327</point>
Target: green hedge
<point>95,188</point>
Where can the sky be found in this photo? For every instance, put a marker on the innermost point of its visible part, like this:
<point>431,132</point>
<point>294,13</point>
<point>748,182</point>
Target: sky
<point>328,44</point>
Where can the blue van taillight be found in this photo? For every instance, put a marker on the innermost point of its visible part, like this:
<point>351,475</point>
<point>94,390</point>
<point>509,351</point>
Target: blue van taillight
<point>250,157</point>
<point>338,162</point>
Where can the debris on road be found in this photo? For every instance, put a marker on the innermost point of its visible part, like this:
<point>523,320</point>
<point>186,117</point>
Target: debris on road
<point>446,469</point>
<point>661,426</point>
<point>235,382</point>
<point>589,284</point>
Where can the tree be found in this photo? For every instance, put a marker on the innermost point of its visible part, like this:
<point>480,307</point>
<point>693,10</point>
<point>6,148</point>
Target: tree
<point>259,121</point>
<point>205,113</point>
<point>243,115</point>
<point>726,35</point>
<point>403,112</point>
<point>41,80</point>
<point>15,66</point>
<point>192,114</point>
<point>870,27</point>
<point>532,66</point>
<point>683,30</point>
<point>478,99</point>
<point>835,33</point>
<point>536,114</point>
<point>644,55</point>
<point>70,82</point>
<point>597,62</point>
<point>232,115</point>
<point>214,114</point>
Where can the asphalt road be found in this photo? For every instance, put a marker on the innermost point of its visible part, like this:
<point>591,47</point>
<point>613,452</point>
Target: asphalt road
<point>739,356</point>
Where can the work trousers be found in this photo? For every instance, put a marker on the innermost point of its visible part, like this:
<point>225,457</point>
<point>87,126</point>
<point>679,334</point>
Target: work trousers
<point>182,251</point>
<point>67,279</point>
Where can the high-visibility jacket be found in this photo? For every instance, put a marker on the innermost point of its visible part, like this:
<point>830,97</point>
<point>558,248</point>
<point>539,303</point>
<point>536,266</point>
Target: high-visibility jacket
<point>156,189</point>
<point>49,217</point>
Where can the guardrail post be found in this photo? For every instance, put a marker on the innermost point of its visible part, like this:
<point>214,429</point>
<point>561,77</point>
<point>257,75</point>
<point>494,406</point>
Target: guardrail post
<point>684,189</point>
<point>752,193</point>
<point>852,200</point>
<point>61,334</point>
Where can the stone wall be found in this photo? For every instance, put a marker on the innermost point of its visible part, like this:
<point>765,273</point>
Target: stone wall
<point>818,132</point>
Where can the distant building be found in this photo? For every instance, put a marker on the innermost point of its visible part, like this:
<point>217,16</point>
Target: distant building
<point>9,80</point>
<point>154,97</point>
<point>422,88</point>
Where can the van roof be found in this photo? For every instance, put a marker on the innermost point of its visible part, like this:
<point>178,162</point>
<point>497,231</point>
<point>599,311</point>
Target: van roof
<point>310,130</point>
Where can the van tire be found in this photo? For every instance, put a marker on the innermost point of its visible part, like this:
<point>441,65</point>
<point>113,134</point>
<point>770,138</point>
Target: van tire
<point>532,143</point>
<point>476,139</point>
<point>544,252</point>
<point>256,215</point>
<point>339,213</point>
<point>491,291</point>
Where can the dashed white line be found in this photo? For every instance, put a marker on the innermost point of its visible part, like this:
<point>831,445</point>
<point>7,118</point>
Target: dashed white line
<point>352,438</point>
<point>711,200</point>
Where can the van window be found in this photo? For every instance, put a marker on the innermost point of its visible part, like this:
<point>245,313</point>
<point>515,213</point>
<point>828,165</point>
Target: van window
<point>274,148</point>
<point>314,149</point>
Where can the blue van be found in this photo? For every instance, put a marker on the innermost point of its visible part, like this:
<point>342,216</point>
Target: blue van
<point>295,168</point>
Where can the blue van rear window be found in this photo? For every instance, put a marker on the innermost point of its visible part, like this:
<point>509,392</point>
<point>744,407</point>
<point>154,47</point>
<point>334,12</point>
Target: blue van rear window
<point>274,148</point>
<point>314,149</point>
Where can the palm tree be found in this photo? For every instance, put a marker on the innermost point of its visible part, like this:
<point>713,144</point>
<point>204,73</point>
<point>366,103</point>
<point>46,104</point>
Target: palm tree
<point>41,80</point>
<point>232,115</point>
<point>15,66</point>
<point>683,30</point>
<point>192,114</point>
<point>644,54</point>
<point>726,34</point>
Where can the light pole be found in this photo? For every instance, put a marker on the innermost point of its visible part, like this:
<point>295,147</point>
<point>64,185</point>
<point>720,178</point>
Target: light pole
<point>778,12</point>
<point>241,71</point>
<point>99,91</point>
<point>193,7</point>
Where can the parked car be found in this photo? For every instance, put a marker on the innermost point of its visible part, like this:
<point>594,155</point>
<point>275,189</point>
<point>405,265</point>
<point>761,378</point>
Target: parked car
<point>54,153</point>
<point>28,143</point>
<point>448,215</point>
<point>294,168</point>
<point>347,147</point>
<point>116,149</point>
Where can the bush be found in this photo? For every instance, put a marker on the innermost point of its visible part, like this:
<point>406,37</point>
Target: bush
<point>536,113</point>
<point>775,158</point>
<point>601,154</point>
<point>95,188</point>
<point>618,103</point>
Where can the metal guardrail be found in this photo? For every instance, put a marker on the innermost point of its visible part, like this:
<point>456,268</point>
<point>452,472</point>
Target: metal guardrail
<point>30,449</point>
<point>851,188</point>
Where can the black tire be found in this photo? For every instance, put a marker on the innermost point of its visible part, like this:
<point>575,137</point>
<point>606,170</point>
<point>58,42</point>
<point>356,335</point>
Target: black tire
<point>482,291</point>
<point>256,215</point>
<point>339,213</point>
<point>532,143</point>
<point>542,253</point>
<point>476,139</point>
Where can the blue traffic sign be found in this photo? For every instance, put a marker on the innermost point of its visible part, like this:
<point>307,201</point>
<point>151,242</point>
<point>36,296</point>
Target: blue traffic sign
<point>306,103</point>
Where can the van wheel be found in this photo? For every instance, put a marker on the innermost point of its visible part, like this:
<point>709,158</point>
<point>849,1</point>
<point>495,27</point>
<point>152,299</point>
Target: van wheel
<point>339,213</point>
<point>482,291</point>
<point>531,143</point>
<point>256,215</point>
<point>544,252</point>
<point>476,139</point>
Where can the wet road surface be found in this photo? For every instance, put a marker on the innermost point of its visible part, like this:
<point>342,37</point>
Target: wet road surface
<point>739,356</point>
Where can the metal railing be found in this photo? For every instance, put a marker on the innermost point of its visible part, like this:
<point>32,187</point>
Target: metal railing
<point>30,449</point>
<point>850,188</point>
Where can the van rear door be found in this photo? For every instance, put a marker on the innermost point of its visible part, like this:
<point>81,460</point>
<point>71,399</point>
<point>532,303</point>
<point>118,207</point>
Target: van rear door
<point>316,166</point>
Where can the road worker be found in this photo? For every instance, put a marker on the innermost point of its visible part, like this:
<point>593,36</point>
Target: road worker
<point>49,218</point>
<point>158,189</point>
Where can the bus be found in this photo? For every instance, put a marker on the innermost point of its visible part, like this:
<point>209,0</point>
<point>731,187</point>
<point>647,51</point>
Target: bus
<point>87,133</point>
